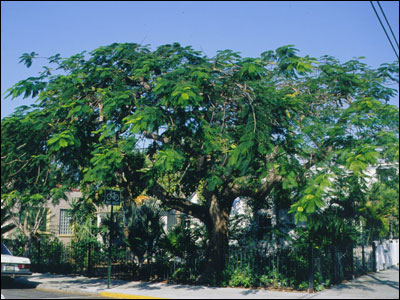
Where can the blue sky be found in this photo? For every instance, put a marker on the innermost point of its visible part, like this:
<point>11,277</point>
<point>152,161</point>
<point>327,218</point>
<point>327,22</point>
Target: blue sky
<point>343,29</point>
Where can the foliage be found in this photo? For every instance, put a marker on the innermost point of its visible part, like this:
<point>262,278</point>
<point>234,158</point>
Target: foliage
<point>29,178</point>
<point>380,212</point>
<point>27,212</point>
<point>242,278</point>
<point>46,253</point>
<point>336,223</point>
<point>180,241</point>
<point>17,243</point>
<point>46,256</point>
<point>6,226</point>
<point>302,286</point>
<point>144,229</point>
<point>82,219</point>
<point>173,123</point>
<point>291,273</point>
<point>181,275</point>
<point>112,231</point>
<point>84,254</point>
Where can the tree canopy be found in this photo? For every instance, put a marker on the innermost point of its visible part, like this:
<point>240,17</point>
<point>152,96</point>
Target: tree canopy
<point>172,122</point>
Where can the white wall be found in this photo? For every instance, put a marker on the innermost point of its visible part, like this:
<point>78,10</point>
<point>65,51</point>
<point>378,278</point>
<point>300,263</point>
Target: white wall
<point>387,254</point>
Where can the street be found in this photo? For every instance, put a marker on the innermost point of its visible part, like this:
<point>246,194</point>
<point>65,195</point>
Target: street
<point>21,289</point>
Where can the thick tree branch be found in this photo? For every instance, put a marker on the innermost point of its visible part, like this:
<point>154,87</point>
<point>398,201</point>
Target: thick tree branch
<point>180,204</point>
<point>262,192</point>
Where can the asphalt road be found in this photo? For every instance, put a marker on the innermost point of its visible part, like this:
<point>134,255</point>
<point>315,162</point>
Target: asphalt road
<point>21,289</point>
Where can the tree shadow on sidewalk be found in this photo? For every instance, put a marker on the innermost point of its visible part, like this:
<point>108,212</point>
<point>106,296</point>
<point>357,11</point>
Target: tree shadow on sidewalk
<point>391,283</point>
<point>17,283</point>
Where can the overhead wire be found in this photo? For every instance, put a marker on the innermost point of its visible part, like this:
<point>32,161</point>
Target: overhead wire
<point>387,22</point>
<point>372,4</point>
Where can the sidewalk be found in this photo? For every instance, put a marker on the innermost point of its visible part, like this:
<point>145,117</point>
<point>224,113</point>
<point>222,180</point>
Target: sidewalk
<point>381,285</point>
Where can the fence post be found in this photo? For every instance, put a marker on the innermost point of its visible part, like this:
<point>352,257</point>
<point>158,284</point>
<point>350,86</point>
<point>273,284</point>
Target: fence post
<point>89,259</point>
<point>39,252</point>
<point>334,264</point>
<point>350,251</point>
<point>277,267</point>
<point>274,267</point>
<point>363,259</point>
<point>374,268</point>
<point>310,268</point>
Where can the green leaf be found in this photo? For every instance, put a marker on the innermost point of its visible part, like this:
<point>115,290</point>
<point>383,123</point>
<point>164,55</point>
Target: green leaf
<point>63,143</point>
<point>184,96</point>
<point>310,208</point>
<point>27,58</point>
<point>309,197</point>
<point>52,140</point>
<point>213,182</point>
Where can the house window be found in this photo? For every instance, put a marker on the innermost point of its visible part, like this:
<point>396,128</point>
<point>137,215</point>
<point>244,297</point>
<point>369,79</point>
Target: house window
<point>65,222</point>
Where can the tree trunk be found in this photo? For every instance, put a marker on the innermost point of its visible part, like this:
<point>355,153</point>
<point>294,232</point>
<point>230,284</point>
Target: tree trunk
<point>215,215</point>
<point>28,245</point>
<point>217,249</point>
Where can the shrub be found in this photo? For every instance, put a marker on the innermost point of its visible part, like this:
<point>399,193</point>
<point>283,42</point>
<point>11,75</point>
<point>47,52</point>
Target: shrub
<point>181,275</point>
<point>302,286</point>
<point>264,280</point>
<point>243,278</point>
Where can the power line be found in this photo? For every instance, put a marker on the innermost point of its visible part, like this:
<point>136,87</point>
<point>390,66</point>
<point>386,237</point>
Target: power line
<point>384,29</point>
<point>387,22</point>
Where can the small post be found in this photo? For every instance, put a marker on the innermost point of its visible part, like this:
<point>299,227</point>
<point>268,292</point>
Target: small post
<point>89,259</point>
<point>112,197</point>
<point>109,251</point>
<point>350,251</point>
<point>39,256</point>
<point>364,266</point>
<point>311,268</point>
<point>374,267</point>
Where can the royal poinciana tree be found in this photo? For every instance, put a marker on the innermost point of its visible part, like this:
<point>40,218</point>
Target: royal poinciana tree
<point>28,178</point>
<point>172,122</point>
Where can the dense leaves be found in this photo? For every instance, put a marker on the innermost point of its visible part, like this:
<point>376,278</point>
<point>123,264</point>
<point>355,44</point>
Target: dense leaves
<point>144,229</point>
<point>172,123</point>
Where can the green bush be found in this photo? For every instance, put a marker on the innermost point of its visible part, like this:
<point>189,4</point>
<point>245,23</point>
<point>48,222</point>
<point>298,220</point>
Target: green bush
<point>264,280</point>
<point>302,286</point>
<point>273,278</point>
<point>16,245</point>
<point>243,278</point>
<point>319,282</point>
<point>46,255</point>
<point>78,252</point>
<point>181,275</point>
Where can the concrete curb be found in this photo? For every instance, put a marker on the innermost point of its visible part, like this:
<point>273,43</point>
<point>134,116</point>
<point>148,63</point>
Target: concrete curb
<point>102,294</point>
<point>54,290</point>
<point>126,296</point>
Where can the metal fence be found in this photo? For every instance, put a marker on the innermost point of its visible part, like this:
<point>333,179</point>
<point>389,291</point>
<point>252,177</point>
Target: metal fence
<point>286,266</point>
<point>291,266</point>
<point>364,259</point>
